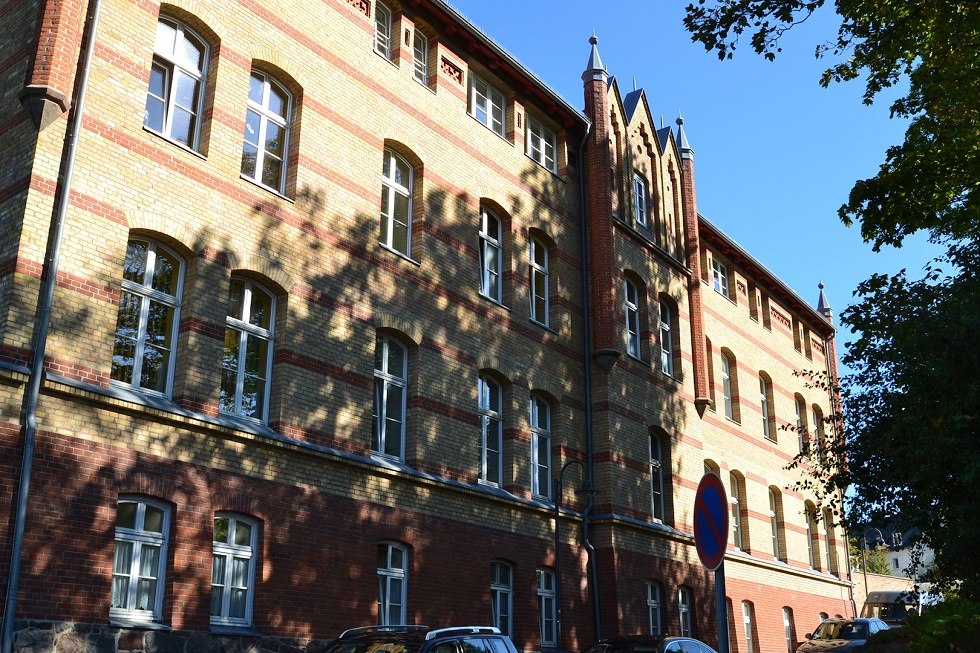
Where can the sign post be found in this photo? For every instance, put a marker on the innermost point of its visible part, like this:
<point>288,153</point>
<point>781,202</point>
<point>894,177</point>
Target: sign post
<point>711,541</point>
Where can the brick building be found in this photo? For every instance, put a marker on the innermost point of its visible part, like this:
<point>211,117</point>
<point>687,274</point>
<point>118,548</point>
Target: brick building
<point>276,403</point>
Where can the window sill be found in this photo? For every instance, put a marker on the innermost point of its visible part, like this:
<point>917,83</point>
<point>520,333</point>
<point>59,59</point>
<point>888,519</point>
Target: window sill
<point>400,255</point>
<point>137,624</point>
<point>187,149</point>
<point>239,631</point>
<point>493,301</point>
<point>268,189</point>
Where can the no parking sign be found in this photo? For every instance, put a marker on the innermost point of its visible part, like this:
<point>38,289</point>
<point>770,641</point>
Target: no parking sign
<point>711,521</point>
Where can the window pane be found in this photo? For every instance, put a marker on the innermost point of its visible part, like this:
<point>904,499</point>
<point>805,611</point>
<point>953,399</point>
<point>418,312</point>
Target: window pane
<point>127,331</point>
<point>272,172</point>
<point>166,37</point>
<point>122,558</point>
<point>191,52</point>
<point>396,360</point>
<point>149,560</point>
<point>120,592</point>
<point>126,515</point>
<point>278,101</point>
<point>153,520</point>
<point>239,569</point>
<point>165,270</point>
<point>243,533</point>
<point>218,569</point>
<point>180,128</point>
<point>256,86</point>
<point>260,309</point>
<point>156,94</point>
<point>237,607</point>
<point>217,596</point>
<point>229,371</point>
<point>145,591</point>
<point>221,529</point>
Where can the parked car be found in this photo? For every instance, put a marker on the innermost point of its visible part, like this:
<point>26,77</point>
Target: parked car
<point>649,644</point>
<point>422,639</point>
<point>841,635</point>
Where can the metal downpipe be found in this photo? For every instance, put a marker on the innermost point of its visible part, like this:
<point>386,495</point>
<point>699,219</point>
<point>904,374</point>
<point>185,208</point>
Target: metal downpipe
<point>45,301</point>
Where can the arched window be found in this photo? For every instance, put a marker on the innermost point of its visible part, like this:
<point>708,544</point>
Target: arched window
<point>139,561</point>
<point>392,583</point>
<point>491,429</point>
<point>233,570</point>
<point>266,143</point>
<point>540,446</point>
<point>747,614</point>
<point>246,363</point>
<point>396,203</point>
<point>789,629</point>
<point>737,500</point>
<point>669,348</point>
<point>538,272</point>
<point>547,608</point>
<point>767,407</point>
<point>175,97</point>
<point>812,534</point>
<point>776,523</point>
<point>491,256</point>
<point>729,384</point>
<point>685,607</point>
<point>801,425</point>
<point>656,478</point>
<point>653,608</point>
<point>828,526</point>
<point>149,312</point>
<point>390,382</point>
<point>818,433</point>
<point>632,313</point>
<point>502,596</point>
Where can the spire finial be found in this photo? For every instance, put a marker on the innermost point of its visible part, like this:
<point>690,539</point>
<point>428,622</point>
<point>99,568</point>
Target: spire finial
<point>823,305</point>
<point>594,69</point>
<point>687,152</point>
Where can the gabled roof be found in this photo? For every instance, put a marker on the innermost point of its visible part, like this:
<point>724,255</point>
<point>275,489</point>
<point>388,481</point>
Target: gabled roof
<point>631,101</point>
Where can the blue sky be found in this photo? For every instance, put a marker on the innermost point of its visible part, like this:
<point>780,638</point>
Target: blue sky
<point>775,153</point>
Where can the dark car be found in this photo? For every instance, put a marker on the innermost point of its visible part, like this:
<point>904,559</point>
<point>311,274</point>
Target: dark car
<point>422,639</point>
<point>841,635</point>
<point>649,644</point>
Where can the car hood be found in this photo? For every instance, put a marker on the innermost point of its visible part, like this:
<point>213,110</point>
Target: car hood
<point>820,645</point>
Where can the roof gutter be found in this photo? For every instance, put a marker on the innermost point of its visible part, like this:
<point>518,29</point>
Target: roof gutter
<point>44,303</point>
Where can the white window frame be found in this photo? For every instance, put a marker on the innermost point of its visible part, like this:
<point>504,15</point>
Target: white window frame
<point>420,58</point>
<point>390,574</point>
<point>774,514</point>
<point>631,309</point>
<point>539,279</point>
<point>818,433</point>
<point>828,529</point>
<point>666,339</point>
<point>640,206</point>
<point>540,419</point>
<point>547,608</point>
<point>726,385</point>
<point>230,582</point>
<point>391,190</point>
<point>810,535</point>
<point>767,426</point>
<point>140,541</point>
<point>490,405</point>
<point>654,619</point>
<point>801,426</point>
<point>747,626</point>
<point>735,499</point>
<point>173,66</point>
<point>487,105</point>
<point>266,118</point>
<point>656,467</point>
<point>541,145</point>
<point>684,608</point>
<point>502,596</point>
<point>146,294</point>
<point>719,277</point>
<point>382,30</point>
<point>385,381</point>
<point>788,628</point>
<point>241,325</point>
<point>491,256</point>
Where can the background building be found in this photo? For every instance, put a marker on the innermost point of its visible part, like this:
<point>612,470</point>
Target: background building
<point>321,340</point>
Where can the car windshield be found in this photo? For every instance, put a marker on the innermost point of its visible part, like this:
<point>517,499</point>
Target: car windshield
<point>841,630</point>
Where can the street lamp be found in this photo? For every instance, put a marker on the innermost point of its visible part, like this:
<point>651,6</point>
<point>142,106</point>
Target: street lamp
<point>587,490</point>
<point>864,560</point>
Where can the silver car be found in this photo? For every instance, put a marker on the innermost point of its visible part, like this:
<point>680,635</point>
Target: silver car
<point>841,635</point>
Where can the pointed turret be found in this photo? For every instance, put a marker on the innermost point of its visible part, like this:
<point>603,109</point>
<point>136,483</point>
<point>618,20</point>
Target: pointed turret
<point>687,152</point>
<point>598,179</point>
<point>823,306</point>
<point>594,69</point>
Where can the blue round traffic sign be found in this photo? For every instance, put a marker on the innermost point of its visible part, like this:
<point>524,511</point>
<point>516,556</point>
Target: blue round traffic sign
<point>711,521</point>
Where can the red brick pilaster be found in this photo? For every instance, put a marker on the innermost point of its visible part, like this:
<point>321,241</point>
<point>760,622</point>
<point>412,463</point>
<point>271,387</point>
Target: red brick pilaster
<point>58,44</point>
